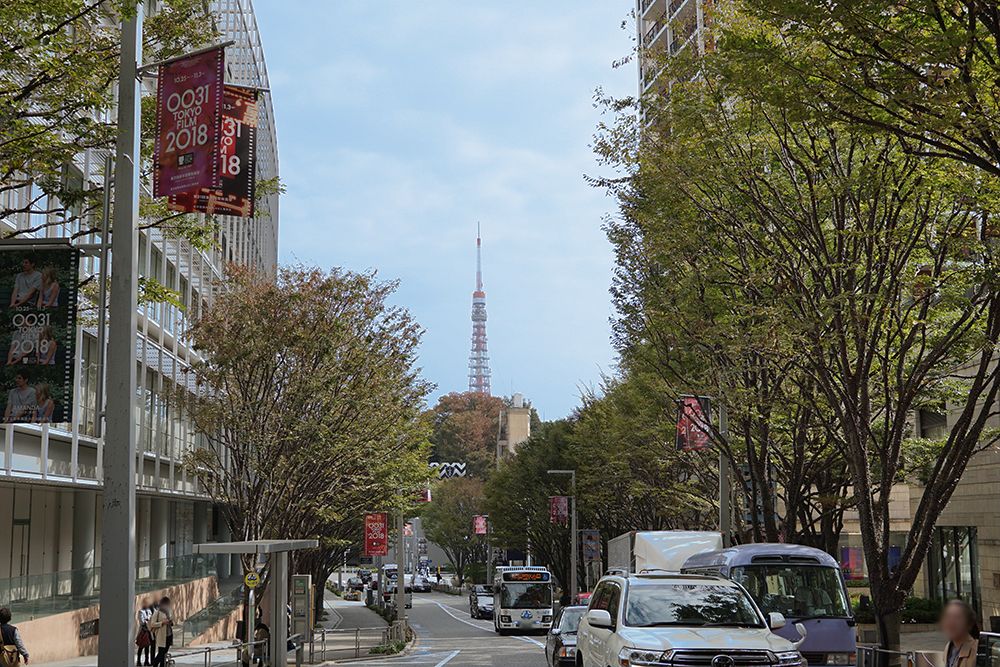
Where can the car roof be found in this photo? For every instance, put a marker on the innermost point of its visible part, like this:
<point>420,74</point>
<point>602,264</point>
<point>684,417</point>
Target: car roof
<point>644,578</point>
<point>762,554</point>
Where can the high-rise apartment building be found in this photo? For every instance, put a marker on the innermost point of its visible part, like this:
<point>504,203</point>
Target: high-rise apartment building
<point>665,28</point>
<point>51,474</point>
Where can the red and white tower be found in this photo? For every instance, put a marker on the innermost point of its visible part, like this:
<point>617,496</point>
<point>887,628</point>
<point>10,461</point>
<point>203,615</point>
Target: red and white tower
<point>479,358</point>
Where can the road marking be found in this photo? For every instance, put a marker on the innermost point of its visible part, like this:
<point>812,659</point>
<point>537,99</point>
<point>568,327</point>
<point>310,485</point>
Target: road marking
<point>447,659</point>
<point>530,641</point>
<point>448,611</point>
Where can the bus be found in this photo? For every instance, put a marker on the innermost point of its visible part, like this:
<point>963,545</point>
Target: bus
<point>522,599</point>
<point>803,584</point>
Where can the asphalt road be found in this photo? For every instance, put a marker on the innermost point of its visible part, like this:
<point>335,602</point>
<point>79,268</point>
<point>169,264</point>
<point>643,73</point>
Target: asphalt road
<point>447,636</point>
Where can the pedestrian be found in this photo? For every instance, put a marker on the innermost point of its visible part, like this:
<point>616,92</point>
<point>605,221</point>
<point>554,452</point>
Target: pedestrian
<point>144,639</point>
<point>162,625</point>
<point>12,649</point>
<point>961,626</point>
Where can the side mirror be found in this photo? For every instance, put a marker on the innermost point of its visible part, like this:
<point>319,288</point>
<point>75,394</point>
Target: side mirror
<point>775,620</point>
<point>599,618</point>
<point>801,629</point>
<point>554,630</point>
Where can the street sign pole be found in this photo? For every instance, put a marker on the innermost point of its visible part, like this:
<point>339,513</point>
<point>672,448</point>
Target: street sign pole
<point>400,570</point>
<point>725,492</point>
<point>115,643</point>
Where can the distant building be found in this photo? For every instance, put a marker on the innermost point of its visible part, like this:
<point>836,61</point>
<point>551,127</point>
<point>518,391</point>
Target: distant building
<point>667,27</point>
<point>515,426</point>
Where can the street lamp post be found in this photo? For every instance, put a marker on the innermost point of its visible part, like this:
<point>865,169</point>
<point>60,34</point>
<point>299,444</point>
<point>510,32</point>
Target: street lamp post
<point>572,531</point>
<point>115,642</point>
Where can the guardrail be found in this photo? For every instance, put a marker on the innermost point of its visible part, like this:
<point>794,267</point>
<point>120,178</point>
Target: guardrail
<point>333,643</point>
<point>875,656</point>
<point>211,653</point>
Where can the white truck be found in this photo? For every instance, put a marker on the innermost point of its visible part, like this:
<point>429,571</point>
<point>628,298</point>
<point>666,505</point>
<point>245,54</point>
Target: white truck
<point>658,550</point>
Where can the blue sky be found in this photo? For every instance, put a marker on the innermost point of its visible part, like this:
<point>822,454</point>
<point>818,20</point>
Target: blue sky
<point>402,124</point>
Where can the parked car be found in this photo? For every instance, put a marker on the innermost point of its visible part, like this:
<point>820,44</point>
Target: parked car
<point>481,601</point>
<point>421,584</point>
<point>355,584</point>
<point>560,644</point>
<point>693,620</point>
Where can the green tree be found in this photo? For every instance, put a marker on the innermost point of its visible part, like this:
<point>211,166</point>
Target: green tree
<point>880,269</point>
<point>58,64</point>
<point>465,429</point>
<point>448,521</point>
<point>309,400</point>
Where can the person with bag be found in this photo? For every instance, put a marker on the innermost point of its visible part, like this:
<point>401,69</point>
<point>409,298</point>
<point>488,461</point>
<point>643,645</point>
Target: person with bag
<point>162,625</point>
<point>12,649</point>
<point>144,639</point>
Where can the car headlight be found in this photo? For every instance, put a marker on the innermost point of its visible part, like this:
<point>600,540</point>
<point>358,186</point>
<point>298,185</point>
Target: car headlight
<point>628,657</point>
<point>567,652</point>
<point>840,658</point>
<point>789,658</point>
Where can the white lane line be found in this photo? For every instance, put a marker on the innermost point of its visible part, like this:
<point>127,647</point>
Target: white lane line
<point>530,641</point>
<point>448,611</point>
<point>447,659</point>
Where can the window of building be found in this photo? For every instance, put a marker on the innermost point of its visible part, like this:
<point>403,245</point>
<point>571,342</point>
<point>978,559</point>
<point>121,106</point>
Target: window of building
<point>933,425</point>
<point>953,565</point>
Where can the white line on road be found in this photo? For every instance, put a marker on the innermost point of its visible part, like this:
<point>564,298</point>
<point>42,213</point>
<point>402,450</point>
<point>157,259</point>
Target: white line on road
<point>447,659</point>
<point>448,611</point>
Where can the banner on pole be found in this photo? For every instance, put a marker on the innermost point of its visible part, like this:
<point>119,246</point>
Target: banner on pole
<point>188,124</point>
<point>237,161</point>
<point>559,510</point>
<point>38,293</point>
<point>377,534</point>
<point>591,541</point>
<point>693,423</point>
<point>479,525</point>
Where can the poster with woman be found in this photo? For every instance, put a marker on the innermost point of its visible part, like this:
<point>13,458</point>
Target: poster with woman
<point>38,332</point>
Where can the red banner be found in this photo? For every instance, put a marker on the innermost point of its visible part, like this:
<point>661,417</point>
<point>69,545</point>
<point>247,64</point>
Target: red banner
<point>237,161</point>
<point>559,510</point>
<point>188,124</point>
<point>377,534</point>
<point>693,423</point>
<point>479,525</point>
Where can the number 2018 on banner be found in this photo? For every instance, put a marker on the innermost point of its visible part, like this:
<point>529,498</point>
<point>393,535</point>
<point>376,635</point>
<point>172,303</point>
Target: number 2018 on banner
<point>186,108</point>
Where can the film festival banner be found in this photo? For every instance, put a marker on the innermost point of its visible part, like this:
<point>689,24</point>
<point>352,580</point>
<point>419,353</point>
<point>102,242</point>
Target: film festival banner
<point>38,295</point>
<point>188,124</point>
<point>693,423</point>
<point>591,541</point>
<point>237,161</point>
<point>559,510</point>
<point>377,534</point>
<point>479,524</point>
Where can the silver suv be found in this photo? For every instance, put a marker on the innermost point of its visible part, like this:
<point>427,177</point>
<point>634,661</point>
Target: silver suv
<point>679,621</point>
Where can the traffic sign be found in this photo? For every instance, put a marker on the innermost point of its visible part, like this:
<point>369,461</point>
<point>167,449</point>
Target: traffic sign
<point>252,579</point>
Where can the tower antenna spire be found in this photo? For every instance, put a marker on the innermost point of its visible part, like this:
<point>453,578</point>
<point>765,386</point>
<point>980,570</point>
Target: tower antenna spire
<point>479,358</point>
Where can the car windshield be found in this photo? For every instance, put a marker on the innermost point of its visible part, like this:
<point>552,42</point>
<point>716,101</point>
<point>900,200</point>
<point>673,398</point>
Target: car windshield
<point>795,591</point>
<point>526,596</point>
<point>696,605</point>
<point>571,619</point>
<point>483,589</point>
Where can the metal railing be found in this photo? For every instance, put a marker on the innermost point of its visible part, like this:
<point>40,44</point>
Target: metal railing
<point>210,654</point>
<point>334,643</point>
<point>36,595</point>
<point>876,656</point>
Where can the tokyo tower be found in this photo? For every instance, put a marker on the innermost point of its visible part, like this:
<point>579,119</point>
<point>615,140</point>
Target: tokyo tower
<point>479,358</point>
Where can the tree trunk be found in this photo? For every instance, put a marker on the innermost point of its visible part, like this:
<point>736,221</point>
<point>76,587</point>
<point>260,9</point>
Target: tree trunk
<point>888,632</point>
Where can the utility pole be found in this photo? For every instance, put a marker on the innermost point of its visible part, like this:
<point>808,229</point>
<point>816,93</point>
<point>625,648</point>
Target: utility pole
<point>115,644</point>
<point>725,491</point>
<point>489,551</point>
<point>572,531</point>
<point>400,568</point>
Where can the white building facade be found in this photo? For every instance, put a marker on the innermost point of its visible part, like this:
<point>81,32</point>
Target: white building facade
<point>51,475</point>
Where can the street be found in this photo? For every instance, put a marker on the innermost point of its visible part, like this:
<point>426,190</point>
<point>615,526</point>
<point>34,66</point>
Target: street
<point>447,636</point>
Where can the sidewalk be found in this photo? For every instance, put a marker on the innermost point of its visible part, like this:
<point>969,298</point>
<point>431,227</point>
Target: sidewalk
<point>350,631</point>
